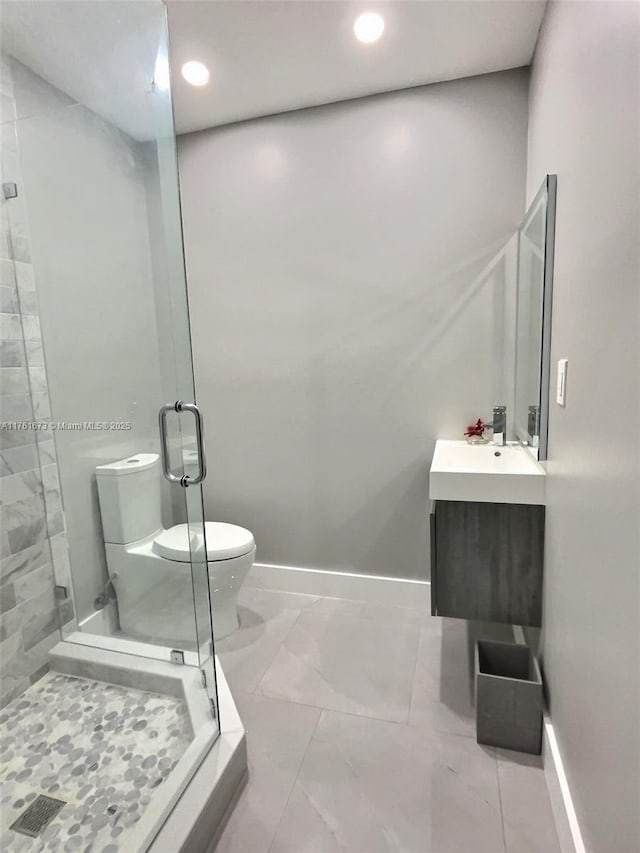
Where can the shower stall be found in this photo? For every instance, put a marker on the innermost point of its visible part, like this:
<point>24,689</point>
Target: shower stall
<point>105,720</point>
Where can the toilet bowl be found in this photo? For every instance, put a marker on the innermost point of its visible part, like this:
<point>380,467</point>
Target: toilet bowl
<point>230,554</point>
<point>160,596</point>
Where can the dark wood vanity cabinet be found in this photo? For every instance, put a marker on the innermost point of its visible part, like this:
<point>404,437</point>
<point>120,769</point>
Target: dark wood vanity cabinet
<point>486,561</point>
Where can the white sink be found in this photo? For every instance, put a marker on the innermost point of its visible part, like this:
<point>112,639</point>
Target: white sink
<point>486,473</point>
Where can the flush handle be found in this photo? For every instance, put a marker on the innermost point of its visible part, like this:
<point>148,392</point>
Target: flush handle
<point>183,480</point>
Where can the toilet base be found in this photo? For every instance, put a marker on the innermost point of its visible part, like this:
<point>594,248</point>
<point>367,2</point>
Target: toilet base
<point>155,594</point>
<point>225,621</point>
<point>225,579</point>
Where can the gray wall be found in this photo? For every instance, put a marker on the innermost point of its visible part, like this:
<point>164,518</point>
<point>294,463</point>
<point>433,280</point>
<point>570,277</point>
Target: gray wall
<point>584,126</point>
<point>341,317</point>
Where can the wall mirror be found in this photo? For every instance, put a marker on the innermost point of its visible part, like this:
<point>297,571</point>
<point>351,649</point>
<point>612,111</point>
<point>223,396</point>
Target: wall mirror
<point>533,319</point>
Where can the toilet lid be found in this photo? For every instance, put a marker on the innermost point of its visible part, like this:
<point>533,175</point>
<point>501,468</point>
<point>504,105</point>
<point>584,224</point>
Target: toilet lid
<point>224,541</point>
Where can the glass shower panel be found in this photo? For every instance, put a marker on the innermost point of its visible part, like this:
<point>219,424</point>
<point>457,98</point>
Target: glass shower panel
<point>99,182</point>
<point>31,529</point>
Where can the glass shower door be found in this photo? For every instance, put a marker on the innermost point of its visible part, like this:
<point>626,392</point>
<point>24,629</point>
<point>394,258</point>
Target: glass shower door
<point>185,458</point>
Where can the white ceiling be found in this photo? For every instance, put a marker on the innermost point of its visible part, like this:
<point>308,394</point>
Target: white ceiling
<point>265,56</point>
<point>101,53</point>
<point>269,56</point>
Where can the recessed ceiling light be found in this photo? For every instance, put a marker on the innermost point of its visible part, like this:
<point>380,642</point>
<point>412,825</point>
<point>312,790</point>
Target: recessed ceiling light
<point>368,27</point>
<point>195,73</point>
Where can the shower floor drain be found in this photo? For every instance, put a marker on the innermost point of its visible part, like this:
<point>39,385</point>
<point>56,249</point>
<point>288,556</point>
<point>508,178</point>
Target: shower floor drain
<point>39,814</point>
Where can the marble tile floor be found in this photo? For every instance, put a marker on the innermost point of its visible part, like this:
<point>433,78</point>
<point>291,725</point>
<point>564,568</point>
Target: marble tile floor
<point>361,735</point>
<point>99,747</point>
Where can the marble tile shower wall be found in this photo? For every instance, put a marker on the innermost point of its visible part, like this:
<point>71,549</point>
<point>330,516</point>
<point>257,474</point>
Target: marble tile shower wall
<point>33,544</point>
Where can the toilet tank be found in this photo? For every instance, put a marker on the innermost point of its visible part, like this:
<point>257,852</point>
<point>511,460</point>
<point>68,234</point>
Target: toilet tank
<point>129,492</point>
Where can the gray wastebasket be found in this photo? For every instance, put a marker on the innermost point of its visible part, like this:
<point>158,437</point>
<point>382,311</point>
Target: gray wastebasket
<point>508,697</point>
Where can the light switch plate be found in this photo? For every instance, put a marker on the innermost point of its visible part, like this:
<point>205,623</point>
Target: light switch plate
<point>561,390</point>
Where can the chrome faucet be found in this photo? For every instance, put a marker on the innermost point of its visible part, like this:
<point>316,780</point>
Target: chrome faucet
<point>499,425</point>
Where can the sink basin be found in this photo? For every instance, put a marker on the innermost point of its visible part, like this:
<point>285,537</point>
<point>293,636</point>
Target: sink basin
<point>474,472</point>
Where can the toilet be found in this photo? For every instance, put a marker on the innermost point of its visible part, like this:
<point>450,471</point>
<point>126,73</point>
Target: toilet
<point>151,566</point>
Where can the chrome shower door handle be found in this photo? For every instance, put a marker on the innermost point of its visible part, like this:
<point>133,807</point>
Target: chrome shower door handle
<point>184,480</point>
<point>202,459</point>
<point>164,450</point>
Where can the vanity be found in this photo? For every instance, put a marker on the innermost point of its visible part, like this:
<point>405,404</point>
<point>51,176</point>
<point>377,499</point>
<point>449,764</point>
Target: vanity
<point>487,532</point>
<point>488,499</point>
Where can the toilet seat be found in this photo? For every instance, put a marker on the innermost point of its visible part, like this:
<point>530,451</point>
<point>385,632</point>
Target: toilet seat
<point>224,542</point>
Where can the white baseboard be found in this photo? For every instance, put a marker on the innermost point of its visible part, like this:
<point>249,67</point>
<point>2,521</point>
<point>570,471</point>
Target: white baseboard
<point>564,813</point>
<point>369,588</point>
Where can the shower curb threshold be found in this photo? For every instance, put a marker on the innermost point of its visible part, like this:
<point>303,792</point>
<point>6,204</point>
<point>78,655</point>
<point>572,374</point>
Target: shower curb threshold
<point>188,813</point>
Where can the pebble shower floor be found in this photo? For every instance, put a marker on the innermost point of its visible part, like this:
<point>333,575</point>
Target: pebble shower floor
<point>101,748</point>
